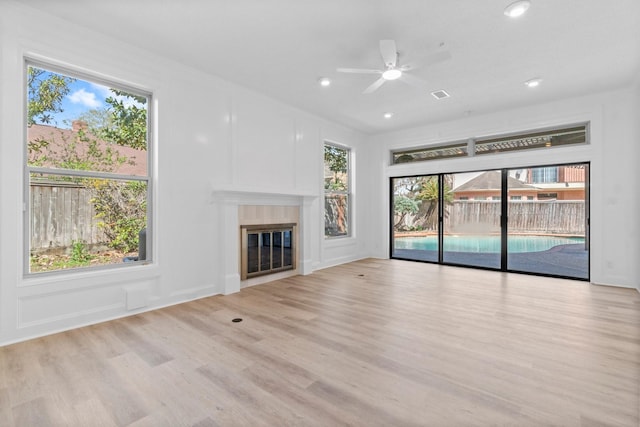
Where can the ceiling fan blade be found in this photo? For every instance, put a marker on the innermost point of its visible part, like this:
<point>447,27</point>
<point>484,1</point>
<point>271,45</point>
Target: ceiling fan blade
<point>374,86</point>
<point>358,71</point>
<point>413,81</point>
<point>437,57</point>
<point>389,53</point>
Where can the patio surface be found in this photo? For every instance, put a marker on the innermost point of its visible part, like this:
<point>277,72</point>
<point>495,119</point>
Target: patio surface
<point>562,260</point>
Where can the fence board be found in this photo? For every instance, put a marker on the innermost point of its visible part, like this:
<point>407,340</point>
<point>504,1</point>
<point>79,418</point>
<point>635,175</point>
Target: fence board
<point>61,215</point>
<point>555,217</point>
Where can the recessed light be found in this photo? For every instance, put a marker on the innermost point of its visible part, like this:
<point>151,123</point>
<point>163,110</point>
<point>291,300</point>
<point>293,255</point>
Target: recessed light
<point>324,81</point>
<point>388,115</point>
<point>517,8</point>
<point>533,82</point>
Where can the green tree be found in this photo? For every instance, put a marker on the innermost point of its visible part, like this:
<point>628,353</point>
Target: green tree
<point>46,92</point>
<point>127,124</point>
<point>424,191</point>
<point>336,160</point>
<point>403,206</point>
<point>428,193</point>
<point>97,119</point>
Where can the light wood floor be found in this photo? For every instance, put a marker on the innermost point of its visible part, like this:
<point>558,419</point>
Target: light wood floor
<point>375,342</point>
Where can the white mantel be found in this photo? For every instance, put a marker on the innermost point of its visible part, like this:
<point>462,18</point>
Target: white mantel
<point>227,202</point>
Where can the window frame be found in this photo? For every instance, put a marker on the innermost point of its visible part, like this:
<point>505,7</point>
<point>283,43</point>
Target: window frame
<point>348,193</point>
<point>148,179</point>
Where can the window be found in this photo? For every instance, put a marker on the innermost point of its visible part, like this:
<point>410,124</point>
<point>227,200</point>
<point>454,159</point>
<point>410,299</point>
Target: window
<point>337,191</point>
<point>530,140</point>
<point>458,149</point>
<point>544,175</point>
<point>539,139</point>
<point>547,196</point>
<point>87,172</point>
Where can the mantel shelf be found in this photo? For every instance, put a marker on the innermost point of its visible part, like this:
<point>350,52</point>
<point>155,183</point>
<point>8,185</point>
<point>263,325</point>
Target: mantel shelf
<point>257,195</point>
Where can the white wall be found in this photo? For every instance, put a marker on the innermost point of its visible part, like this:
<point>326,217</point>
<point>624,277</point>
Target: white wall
<point>634,184</point>
<point>210,135</point>
<point>614,153</point>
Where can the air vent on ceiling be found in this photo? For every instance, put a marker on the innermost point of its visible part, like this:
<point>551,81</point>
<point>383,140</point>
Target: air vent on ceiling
<point>440,94</point>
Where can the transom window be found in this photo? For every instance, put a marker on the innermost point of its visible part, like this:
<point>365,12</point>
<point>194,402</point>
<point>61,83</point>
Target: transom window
<point>87,172</point>
<point>458,149</point>
<point>575,134</point>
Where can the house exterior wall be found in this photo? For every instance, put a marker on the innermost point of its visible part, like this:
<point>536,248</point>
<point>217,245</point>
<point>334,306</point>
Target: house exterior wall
<point>562,194</point>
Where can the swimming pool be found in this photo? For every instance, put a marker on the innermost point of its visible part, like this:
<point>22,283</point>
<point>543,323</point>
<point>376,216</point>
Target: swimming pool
<point>485,244</point>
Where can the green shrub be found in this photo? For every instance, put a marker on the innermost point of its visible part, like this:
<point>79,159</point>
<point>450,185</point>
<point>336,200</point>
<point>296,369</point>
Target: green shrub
<point>79,253</point>
<point>122,210</point>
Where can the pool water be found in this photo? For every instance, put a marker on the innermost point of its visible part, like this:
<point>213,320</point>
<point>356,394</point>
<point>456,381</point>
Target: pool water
<point>485,244</point>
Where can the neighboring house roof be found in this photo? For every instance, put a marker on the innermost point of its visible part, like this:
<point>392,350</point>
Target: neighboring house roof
<point>136,160</point>
<point>491,180</point>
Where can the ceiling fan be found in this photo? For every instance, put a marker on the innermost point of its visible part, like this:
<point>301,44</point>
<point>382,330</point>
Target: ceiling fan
<point>392,70</point>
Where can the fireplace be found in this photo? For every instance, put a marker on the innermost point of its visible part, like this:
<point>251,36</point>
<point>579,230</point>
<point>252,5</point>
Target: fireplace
<point>267,249</point>
<point>237,208</point>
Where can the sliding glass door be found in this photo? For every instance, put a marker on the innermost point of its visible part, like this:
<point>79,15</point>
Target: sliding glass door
<point>472,219</point>
<point>531,220</point>
<point>414,232</point>
<point>547,220</point>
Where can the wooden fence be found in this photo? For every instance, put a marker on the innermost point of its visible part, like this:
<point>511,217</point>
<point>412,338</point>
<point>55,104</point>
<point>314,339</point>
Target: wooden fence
<point>63,213</point>
<point>535,216</point>
<point>60,215</point>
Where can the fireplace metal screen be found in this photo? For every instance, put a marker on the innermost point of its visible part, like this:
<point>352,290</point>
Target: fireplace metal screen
<point>267,249</point>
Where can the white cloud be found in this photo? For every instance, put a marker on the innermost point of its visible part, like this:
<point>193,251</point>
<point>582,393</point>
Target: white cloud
<point>103,91</point>
<point>128,102</point>
<point>88,99</point>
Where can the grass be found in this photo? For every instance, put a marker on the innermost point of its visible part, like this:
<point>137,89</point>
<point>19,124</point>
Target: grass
<point>77,259</point>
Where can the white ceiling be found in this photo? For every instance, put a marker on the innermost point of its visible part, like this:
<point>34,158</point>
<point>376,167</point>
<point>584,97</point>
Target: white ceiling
<point>281,47</point>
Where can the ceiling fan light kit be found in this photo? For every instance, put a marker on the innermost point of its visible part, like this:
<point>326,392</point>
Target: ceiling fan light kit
<point>517,8</point>
<point>392,70</point>
<point>392,74</point>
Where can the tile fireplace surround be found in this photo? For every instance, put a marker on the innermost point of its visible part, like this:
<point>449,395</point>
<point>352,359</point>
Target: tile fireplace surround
<point>236,208</point>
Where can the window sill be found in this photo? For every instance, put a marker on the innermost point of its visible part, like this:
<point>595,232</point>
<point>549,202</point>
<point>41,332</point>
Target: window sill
<point>336,242</point>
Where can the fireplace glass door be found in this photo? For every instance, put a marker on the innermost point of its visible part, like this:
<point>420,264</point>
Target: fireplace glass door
<point>267,249</point>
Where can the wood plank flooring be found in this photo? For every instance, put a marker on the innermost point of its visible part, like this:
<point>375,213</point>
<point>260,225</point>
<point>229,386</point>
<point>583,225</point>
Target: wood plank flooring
<point>370,343</point>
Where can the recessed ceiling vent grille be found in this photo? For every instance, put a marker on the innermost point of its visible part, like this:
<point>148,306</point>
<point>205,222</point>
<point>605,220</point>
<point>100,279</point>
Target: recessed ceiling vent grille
<point>440,94</point>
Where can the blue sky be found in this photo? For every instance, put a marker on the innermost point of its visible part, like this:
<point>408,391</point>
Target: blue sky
<point>82,97</point>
